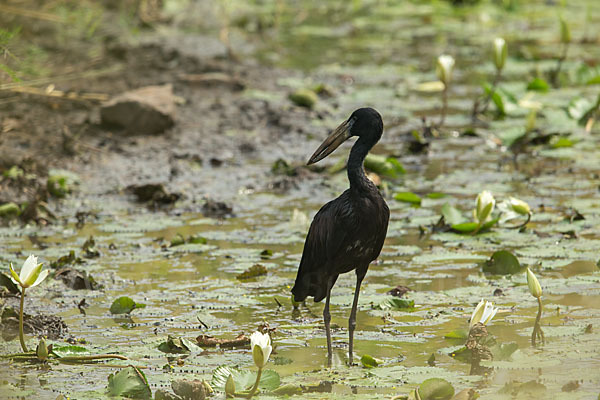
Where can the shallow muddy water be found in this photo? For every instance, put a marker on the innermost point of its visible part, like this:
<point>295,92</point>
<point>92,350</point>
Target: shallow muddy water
<point>377,54</point>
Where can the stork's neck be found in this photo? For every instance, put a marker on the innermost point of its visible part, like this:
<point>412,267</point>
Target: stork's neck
<point>356,172</point>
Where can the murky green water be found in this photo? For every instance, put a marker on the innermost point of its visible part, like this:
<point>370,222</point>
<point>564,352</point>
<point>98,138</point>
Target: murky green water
<point>372,53</point>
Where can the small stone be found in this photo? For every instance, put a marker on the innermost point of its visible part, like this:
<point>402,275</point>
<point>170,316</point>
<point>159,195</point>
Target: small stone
<point>147,110</point>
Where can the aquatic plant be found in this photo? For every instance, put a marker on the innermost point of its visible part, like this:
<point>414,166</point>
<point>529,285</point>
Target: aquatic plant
<point>499,54</point>
<point>482,213</point>
<point>536,291</point>
<point>261,350</point>
<point>514,208</point>
<point>565,39</point>
<point>31,275</point>
<point>444,69</point>
<point>484,312</point>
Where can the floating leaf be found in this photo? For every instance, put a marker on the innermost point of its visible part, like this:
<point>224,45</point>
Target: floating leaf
<point>451,215</point>
<point>395,303</point>
<point>69,351</point>
<point>244,379</point>
<point>129,382</point>
<point>266,254</point>
<point>175,345</point>
<point>287,390</point>
<point>253,272</point>
<point>465,227</point>
<point>530,389</point>
<point>503,351</point>
<point>435,389</point>
<point>195,239</point>
<point>436,195</point>
<point>469,227</point>
<point>457,334</point>
<point>368,361</point>
<point>388,167</point>
<point>538,85</point>
<point>124,305</point>
<point>558,142</point>
<point>502,263</point>
<point>408,197</point>
<point>578,107</point>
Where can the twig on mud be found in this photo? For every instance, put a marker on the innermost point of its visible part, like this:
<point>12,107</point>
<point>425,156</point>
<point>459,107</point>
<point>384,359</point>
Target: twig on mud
<point>32,14</point>
<point>51,92</point>
<point>63,78</point>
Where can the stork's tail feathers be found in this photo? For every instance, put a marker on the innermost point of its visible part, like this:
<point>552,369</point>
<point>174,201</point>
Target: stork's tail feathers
<point>310,284</point>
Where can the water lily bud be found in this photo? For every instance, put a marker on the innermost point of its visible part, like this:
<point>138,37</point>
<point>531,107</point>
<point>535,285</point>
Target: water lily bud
<point>445,65</point>
<point>42,350</point>
<point>485,206</point>
<point>519,206</point>
<point>534,285</point>
<point>230,387</point>
<point>261,348</point>
<point>565,32</point>
<point>500,53</point>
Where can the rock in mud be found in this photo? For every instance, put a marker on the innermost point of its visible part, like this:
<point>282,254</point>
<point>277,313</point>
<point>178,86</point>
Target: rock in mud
<point>76,279</point>
<point>153,192</point>
<point>147,110</point>
<point>191,390</point>
<point>216,209</point>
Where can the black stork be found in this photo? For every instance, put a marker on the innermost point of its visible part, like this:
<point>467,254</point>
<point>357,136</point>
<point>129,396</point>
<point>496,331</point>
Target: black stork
<point>347,233</point>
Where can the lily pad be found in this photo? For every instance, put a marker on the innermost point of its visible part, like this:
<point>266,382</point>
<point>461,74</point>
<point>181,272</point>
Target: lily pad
<point>408,197</point>
<point>175,345</point>
<point>129,382</point>
<point>124,305</point>
<point>502,263</point>
<point>435,389</point>
<point>368,361</point>
<point>395,303</point>
<point>244,379</point>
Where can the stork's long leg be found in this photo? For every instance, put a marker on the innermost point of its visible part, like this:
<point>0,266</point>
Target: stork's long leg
<point>352,319</point>
<point>327,320</point>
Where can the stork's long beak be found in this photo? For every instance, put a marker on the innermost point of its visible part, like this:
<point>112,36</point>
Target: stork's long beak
<point>333,141</point>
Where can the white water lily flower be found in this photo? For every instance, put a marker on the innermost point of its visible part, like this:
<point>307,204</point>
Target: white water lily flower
<point>445,65</point>
<point>513,208</point>
<point>31,273</point>
<point>484,312</point>
<point>519,206</point>
<point>534,285</point>
<point>500,53</point>
<point>485,205</point>
<point>261,348</point>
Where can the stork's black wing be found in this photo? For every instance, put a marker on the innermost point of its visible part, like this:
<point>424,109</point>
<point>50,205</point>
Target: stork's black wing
<point>326,237</point>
